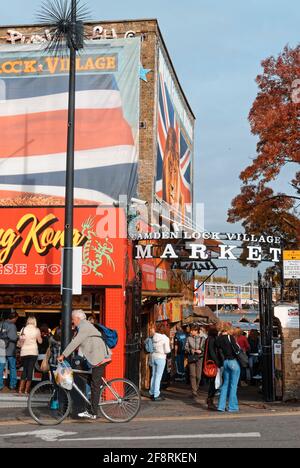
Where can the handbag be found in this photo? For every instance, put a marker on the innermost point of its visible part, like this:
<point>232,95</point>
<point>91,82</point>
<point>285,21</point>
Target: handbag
<point>219,379</point>
<point>243,359</point>
<point>192,358</point>
<point>45,362</point>
<point>241,356</point>
<point>210,368</point>
<point>21,339</point>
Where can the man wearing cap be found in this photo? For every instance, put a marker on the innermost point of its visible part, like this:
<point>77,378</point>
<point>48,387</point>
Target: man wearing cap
<point>9,326</point>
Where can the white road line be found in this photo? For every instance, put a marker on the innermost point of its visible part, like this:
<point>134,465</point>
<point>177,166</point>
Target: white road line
<point>48,435</point>
<point>249,435</point>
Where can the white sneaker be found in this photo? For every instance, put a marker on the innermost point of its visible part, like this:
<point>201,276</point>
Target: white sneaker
<point>87,415</point>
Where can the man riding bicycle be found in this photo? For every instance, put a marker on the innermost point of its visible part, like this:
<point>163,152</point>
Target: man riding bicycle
<point>94,349</point>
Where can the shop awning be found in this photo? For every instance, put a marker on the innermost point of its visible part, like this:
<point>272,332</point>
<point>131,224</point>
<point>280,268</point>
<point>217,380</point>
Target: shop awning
<point>161,294</point>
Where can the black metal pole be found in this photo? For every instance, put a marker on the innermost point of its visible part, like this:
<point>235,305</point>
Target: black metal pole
<point>266,323</point>
<point>67,286</point>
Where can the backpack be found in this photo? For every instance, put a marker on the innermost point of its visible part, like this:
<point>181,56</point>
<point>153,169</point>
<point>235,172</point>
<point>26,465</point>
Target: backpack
<point>109,336</point>
<point>148,345</point>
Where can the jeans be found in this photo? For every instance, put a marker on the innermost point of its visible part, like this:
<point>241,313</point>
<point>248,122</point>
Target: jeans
<point>253,364</point>
<point>231,376</point>
<point>180,364</point>
<point>12,371</point>
<point>158,367</point>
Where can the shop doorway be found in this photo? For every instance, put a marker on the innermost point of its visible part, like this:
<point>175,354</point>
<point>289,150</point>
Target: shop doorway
<point>133,332</point>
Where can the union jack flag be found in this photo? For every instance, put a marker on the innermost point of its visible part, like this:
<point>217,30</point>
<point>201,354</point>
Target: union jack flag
<point>168,119</point>
<point>33,128</point>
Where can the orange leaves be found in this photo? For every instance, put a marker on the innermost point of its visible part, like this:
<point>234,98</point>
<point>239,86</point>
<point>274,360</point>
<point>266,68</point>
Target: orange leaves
<point>275,116</point>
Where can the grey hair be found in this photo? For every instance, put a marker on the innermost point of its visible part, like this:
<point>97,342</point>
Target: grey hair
<point>79,314</point>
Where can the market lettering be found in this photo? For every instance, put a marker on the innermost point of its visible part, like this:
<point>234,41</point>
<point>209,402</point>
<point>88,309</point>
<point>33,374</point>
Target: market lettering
<point>9,241</point>
<point>54,269</point>
<point>42,237</point>
<point>104,62</point>
<point>18,66</point>
<point>99,32</point>
<point>201,252</point>
<point>58,65</point>
<point>17,269</point>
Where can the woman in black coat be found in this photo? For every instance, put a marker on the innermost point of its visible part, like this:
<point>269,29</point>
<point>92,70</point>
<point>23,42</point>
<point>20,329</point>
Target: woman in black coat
<point>212,355</point>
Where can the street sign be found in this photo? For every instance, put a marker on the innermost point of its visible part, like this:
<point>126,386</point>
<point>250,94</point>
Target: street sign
<point>291,255</point>
<point>291,264</point>
<point>77,270</point>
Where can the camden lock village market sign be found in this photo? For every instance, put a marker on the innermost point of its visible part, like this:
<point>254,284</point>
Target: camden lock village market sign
<point>267,248</point>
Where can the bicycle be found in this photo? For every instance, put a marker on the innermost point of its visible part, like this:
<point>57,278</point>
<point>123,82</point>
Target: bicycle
<point>50,404</point>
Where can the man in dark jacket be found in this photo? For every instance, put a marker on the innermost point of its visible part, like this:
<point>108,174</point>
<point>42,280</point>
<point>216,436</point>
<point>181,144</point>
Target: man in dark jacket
<point>9,330</point>
<point>195,348</point>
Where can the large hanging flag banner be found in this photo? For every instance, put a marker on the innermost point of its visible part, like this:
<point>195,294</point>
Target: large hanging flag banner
<point>174,183</point>
<point>33,124</point>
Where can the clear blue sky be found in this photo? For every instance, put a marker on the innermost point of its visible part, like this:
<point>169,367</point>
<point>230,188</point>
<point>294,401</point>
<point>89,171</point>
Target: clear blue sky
<point>216,47</point>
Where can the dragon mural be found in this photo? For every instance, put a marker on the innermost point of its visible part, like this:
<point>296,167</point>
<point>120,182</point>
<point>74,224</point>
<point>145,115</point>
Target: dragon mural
<point>95,252</point>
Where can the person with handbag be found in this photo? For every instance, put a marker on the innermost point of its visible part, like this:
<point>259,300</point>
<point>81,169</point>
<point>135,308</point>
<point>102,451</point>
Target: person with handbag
<point>195,350</point>
<point>28,342</point>
<point>212,363</point>
<point>243,343</point>
<point>229,351</point>
<point>9,327</point>
<point>161,348</point>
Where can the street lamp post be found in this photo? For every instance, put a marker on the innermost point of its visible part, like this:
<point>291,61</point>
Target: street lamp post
<point>66,19</point>
<point>67,280</point>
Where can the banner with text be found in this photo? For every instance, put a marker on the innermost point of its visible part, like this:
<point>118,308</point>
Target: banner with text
<point>31,241</point>
<point>33,123</point>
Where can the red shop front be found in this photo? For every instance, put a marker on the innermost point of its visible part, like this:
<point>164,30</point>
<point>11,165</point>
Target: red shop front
<point>31,241</point>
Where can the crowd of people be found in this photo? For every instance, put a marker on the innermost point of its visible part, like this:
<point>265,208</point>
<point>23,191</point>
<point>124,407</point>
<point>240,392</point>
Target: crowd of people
<point>232,358</point>
<point>23,349</point>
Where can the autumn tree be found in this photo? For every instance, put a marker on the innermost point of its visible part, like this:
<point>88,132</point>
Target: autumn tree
<point>275,120</point>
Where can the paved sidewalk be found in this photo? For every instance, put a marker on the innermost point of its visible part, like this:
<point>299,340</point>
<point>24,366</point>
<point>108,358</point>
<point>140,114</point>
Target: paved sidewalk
<point>178,403</point>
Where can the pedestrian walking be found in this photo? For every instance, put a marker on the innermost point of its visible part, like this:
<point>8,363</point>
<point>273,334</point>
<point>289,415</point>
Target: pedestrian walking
<point>243,343</point>
<point>55,350</point>
<point>195,350</point>
<point>179,351</point>
<point>254,352</point>
<point>31,337</point>
<point>212,355</point>
<point>161,348</point>
<point>9,330</point>
<point>229,350</point>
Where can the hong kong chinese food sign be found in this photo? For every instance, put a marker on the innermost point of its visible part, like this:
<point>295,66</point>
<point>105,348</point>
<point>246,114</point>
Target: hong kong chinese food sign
<point>31,241</point>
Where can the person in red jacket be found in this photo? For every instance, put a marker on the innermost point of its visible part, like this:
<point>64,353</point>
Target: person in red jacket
<point>243,343</point>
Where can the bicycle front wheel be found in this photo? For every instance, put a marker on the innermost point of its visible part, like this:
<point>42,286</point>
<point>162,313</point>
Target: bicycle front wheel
<point>120,401</point>
<point>49,404</point>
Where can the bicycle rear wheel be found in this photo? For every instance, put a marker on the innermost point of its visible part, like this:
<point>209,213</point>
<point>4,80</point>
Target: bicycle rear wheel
<point>49,404</point>
<point>120,401</point>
